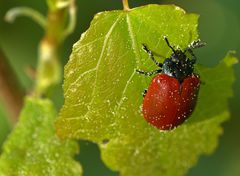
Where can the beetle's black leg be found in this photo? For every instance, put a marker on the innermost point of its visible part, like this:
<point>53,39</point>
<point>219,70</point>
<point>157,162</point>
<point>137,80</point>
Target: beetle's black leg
<point>149,73</point>
<point>193,45</point>
<point>150,53</point>
<point>169,44</point>
<point>144,93</point>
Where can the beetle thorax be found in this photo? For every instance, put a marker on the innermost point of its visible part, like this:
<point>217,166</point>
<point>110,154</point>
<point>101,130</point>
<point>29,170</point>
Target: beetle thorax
<point>178,66</point>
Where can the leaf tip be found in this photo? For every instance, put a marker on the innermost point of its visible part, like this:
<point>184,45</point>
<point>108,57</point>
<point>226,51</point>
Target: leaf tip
<point>231,59</point>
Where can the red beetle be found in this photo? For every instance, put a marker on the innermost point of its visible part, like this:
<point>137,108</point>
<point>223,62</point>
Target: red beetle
<point>172,94</point>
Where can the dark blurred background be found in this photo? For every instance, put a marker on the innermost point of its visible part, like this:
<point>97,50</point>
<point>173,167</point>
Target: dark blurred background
<point>219,26</point>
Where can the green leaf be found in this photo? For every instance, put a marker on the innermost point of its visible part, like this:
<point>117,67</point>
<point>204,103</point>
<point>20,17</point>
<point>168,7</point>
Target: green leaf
<point>103,92</point>
<point>34,149</point>
<point>101,85</point>
<point>149,152</point>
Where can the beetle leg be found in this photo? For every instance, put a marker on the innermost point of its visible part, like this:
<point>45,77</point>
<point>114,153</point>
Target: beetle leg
<point>194,59</point>
<point>151,55</point>
<point>144,92</point>
<point>193,45</point>
<point>149,73</point>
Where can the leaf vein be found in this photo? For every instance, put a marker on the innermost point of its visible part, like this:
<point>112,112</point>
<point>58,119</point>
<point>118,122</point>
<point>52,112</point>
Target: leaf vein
<point>125,89</point>
<point>102,52</point>
<point>133,39</point>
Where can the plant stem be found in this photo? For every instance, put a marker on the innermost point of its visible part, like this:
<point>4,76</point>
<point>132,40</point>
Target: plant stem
<point>11,92</point>
<point>125,5</point>
<point>49,69</point>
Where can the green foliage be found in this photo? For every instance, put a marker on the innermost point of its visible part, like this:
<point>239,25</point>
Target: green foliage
<point>100,78</point>
<point>103,93</point>
<point>150,152</point>
<point>34,149</point>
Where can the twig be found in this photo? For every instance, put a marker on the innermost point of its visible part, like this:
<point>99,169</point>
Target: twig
<point>11,92</point>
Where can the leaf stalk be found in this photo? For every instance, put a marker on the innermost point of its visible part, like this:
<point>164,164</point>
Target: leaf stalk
<point>125,5</point>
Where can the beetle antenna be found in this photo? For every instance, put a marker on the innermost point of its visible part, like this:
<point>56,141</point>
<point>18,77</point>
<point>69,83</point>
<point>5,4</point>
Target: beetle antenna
<point>169,44</point>
<point>195,44</point>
